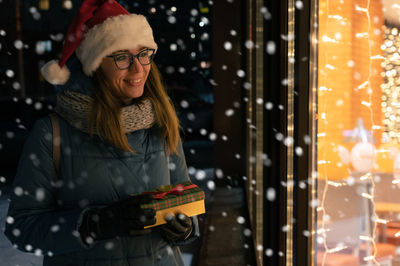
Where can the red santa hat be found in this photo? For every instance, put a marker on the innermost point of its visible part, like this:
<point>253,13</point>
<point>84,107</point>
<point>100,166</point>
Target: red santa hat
<point>100,28</point>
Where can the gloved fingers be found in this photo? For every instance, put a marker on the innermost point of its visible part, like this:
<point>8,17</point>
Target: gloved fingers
<point>184,219</point>
<point>170,234</point>
<point>175,225</point>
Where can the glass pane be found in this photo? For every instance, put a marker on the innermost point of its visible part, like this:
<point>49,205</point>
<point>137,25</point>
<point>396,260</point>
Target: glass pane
<point>358,125</point>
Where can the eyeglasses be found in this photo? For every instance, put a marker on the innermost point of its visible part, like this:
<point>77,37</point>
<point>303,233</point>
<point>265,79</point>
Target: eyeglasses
<point>125,60</point>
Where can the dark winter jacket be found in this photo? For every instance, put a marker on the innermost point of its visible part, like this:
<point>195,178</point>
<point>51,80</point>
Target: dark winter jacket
<point>46,210</point>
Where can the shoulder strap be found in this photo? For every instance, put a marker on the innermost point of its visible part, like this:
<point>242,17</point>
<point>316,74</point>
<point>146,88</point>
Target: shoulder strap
<point>56,142</point>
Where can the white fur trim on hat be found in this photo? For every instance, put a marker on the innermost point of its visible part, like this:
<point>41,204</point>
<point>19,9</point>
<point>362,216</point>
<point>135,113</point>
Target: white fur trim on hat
<point>123,32</point>
<point>54,74</point>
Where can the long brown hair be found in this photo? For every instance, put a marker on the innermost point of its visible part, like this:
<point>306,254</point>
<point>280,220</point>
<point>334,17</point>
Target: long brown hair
<point>105,112</point>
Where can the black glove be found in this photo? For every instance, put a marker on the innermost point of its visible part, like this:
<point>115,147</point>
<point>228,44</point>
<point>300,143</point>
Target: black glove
<point>177,228</point>
<point>122,218</point>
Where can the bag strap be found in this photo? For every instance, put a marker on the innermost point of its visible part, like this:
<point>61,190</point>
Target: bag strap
<point>56,142</point>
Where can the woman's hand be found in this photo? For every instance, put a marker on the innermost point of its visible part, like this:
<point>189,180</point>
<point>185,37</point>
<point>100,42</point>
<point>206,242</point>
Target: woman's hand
<point>178,227</point>
<point>122,218</point>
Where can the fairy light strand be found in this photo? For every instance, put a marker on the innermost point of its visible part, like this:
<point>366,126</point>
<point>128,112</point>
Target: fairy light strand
<point>323,163</point>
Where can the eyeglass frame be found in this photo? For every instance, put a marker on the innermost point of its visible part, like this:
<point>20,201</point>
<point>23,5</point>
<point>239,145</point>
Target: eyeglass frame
<point>133,56</point>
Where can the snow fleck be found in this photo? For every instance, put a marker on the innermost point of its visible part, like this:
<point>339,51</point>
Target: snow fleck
<point>194,12</point>
<point>260,100</point>
<point>271,194</point>
<point>18,44</point>
<point>302,185</point>
<point>212,136</point>
<point>285,228</point>
<point>38,252</point>
<point>211,228</point>
<point>200,174</point>
<point>55,228</point>
<point>191,170</point>
<point>18,191</point>
<point>10,220</point>
<point>299,4</point>
<point>314,203</point>
<point>191,116</point>
<point>270,47</point>
<point>326,218</point>
<point>211,185</point>
<point>10,134</point>
<point>173,47</point>
<point>267,14</point>
<point>299,151</point>
<point>241,73</point>
<point>240,220</point>
<point>279,136</point>
<point>38,105</point>
<point>233,32</point>
<point>28,101</point>
<point>40,194</point>
<point>249,44</point>
<point>10,73</point>
<point>247,232</point>
<point>237,156</point>
<point>228,46</point>
<point>28,247</point>
<point>89,240</point>
<point>307,139</point>
<point>203,131</point>
<point>169,69</point>
<point>172,19</point>
<point>16,85</point>
<point>269,105</point>
<point>350,63</point>
<point>219,173</point>
<point>350,181</point>
<point>2,33</point>
<point>229,112</point>
<point>224,138</point>
<point>57,37</point>
<point>224,214</point>
<point>204,36</point>
<point>172,166</point>
<point>2,179</point>
<point>16,232</point>
<point>269,252</point>
<point>224,67</point>
<point>259,247</point>
<point>247,85</point>
<point>109,245</point>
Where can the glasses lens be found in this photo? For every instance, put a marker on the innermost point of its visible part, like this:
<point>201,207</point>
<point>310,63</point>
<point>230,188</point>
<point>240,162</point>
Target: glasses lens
<point>146,56</point>
<point>123,61</point>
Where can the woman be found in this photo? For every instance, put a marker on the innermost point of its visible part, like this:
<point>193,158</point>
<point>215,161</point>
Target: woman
<point>119,137</point>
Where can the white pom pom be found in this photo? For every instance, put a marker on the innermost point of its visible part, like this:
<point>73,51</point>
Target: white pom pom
<point>55,75</point>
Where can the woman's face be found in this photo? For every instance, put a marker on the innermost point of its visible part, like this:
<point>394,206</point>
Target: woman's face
<point>128,83</point>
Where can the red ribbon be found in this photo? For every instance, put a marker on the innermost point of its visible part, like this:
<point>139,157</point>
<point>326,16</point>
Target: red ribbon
<point>177,190</point>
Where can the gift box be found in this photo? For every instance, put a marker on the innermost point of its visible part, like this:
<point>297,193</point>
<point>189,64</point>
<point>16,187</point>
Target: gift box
<point>186,198</point>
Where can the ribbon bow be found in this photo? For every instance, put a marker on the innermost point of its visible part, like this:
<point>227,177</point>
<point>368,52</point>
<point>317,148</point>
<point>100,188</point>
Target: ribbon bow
<point>165,190</point>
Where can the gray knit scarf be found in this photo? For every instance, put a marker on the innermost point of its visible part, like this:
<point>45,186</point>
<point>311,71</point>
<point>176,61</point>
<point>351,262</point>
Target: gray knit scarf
<point>74,107</point>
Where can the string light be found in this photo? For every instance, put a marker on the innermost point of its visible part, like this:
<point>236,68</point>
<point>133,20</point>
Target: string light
<point>323,163</point>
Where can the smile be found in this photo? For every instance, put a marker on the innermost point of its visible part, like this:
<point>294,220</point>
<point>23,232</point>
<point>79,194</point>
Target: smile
<point>133,82</point>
